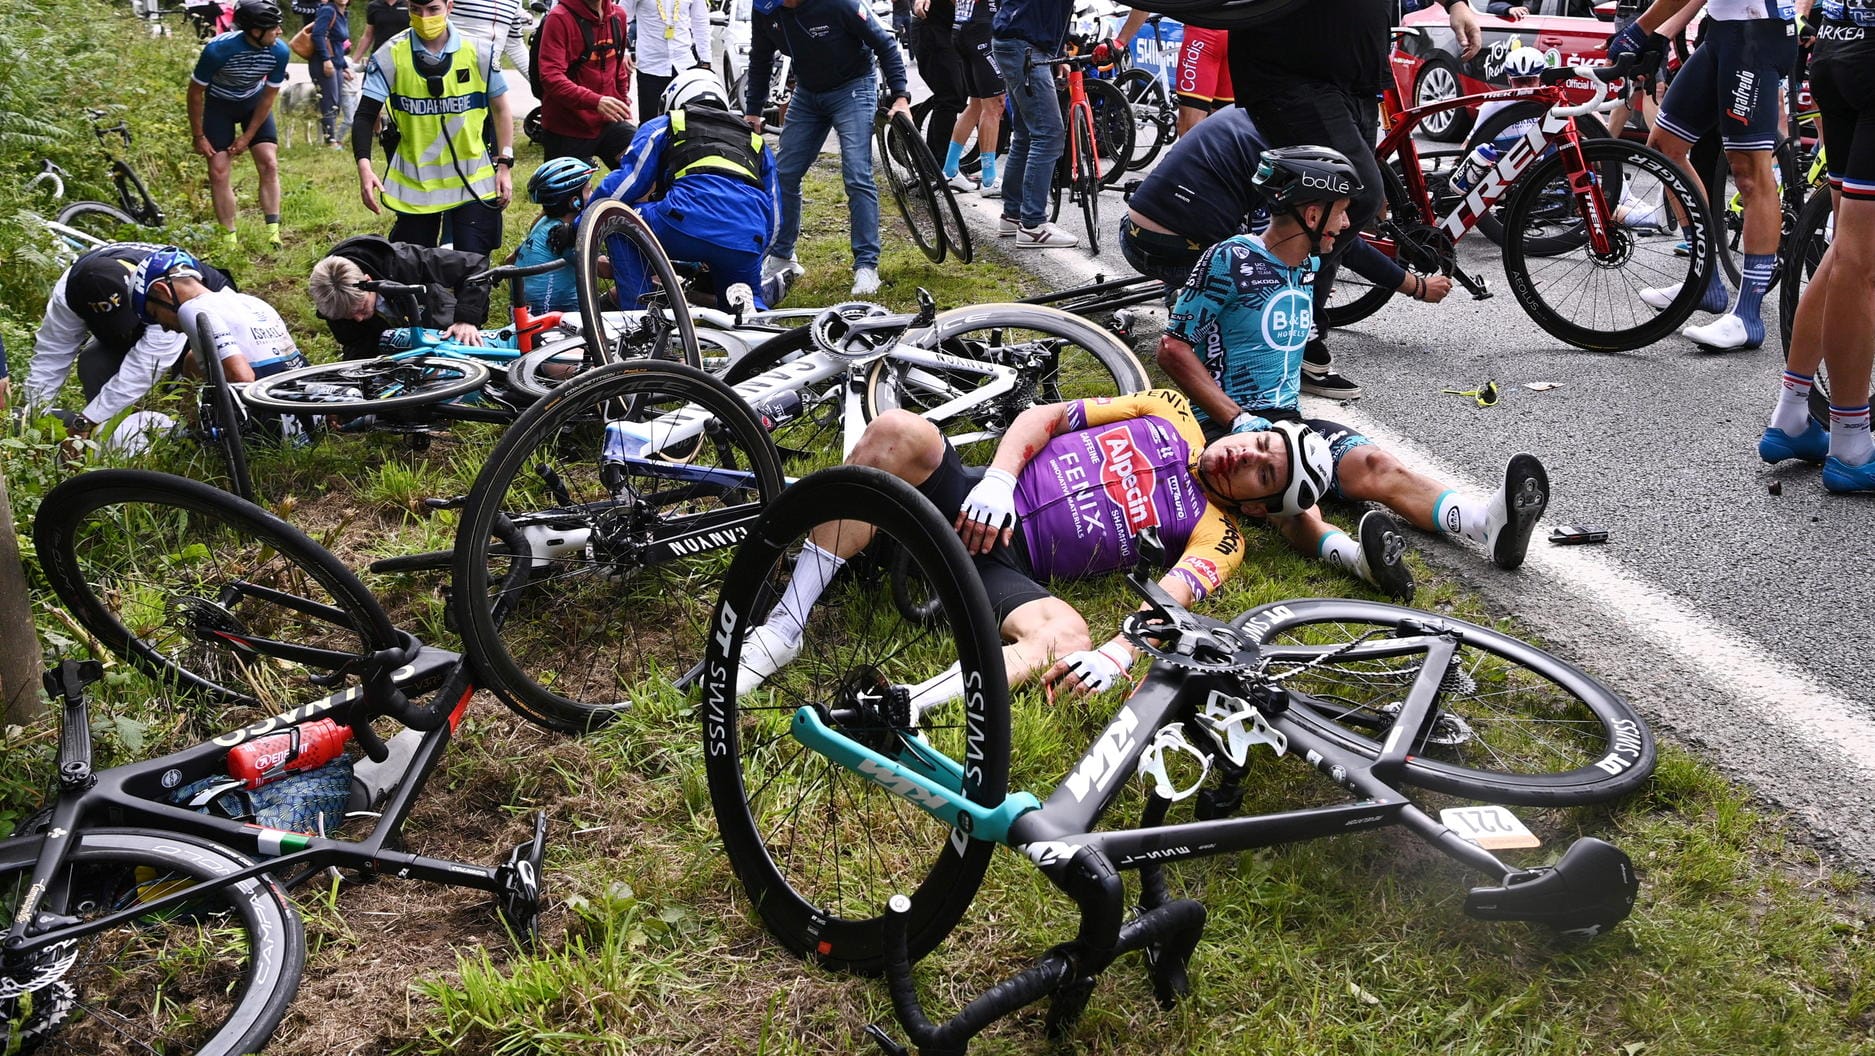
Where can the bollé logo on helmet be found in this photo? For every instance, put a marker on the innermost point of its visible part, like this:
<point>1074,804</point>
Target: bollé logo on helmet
<point>1338,184</point>
<point>1127,478</point>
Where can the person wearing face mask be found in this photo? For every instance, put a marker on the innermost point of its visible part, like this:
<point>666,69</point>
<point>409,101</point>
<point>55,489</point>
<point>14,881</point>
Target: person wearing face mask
<point>440,89</point>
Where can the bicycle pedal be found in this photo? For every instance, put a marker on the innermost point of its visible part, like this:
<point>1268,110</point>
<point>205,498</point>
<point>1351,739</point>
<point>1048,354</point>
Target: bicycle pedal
<point>520,899</point>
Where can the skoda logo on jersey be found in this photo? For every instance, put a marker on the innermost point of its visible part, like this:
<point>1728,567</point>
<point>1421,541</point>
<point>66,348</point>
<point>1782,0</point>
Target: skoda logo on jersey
<point>1286,320</point>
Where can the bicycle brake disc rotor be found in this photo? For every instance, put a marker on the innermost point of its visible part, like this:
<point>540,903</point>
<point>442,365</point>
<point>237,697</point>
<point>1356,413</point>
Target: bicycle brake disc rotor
<point>1212,649</point>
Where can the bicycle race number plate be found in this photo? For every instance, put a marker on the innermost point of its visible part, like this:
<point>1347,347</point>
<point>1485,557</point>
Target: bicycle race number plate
<point>1493,828</point>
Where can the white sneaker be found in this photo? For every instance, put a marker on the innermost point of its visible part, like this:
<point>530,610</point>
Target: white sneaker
<point>1007,228</point>
<point>1514,511</point>
<point>865,282</point>
<point>962,184</point>
<point>1633,213</point>
<point>772,266</point>
<point>1660,296</point>
<point>764,652</point>
<point>1727,333</point>
<point>1047,236</point>
<point>991,190</point>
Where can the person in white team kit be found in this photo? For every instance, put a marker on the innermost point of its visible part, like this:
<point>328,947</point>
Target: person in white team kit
<point>250,339</point>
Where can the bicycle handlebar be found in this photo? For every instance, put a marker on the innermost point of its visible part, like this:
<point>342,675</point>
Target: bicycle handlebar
<point>515,271</point>
<point>389,288</point>
<point>1601,75</point>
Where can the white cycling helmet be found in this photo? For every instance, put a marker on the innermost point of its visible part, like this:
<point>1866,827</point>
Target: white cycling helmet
<point>1525,62</point>
<point>1311,467</point>
<point>694,85</point>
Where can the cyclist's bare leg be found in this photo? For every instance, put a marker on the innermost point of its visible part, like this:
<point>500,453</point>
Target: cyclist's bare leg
<point>1757,188</point>
<point>1039,633</point>
<point>1848,330</point>
<point>1806,331</point>
<point>1189,116</point>
<point>1678,151</point>
<point>221,186</point>
<point>967,122</point>
<point>1371,474</point>
<point>267,166</point>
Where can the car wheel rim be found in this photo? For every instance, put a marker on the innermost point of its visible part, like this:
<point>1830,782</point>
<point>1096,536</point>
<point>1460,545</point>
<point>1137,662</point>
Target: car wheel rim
<point>1436,85</point>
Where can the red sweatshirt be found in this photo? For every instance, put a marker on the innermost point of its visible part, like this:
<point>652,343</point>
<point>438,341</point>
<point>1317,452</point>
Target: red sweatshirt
<point>570,107</point>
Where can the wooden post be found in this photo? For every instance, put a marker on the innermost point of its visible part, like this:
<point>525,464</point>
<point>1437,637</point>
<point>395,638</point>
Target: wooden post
<point>19,642</point>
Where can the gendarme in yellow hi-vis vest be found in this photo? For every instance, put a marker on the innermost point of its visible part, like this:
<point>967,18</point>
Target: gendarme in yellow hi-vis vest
<point>440,118</point>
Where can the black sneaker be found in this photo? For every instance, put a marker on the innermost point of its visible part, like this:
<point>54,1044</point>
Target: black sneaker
<point>1383,551</point>
<point>1328,384</point>
<point>1315,354</point>
<point>1515,510</point>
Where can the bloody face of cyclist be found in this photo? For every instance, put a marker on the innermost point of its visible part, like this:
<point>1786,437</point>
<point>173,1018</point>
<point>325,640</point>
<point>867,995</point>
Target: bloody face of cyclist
<point>1242,470</point>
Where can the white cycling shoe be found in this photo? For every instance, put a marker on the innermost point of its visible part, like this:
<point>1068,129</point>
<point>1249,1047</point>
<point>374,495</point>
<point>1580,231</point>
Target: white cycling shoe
<point>1727,333</point>
<point>1659,296</point>
<point>764,652</point>
<point>1514,511</point>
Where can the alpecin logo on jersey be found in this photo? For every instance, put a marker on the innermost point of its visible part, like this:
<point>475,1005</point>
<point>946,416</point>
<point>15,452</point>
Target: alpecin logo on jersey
<point>1206,570</point>
<point>1127,478</point>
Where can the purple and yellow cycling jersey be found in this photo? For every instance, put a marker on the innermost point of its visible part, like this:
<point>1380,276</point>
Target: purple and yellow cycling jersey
<point>1125,466</point>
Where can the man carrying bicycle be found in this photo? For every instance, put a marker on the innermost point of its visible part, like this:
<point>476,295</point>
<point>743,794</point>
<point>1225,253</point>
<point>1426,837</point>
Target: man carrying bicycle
<point>1075,490</point>
<point>1311,76</point>
<point>1248,306</point>
<point>236,79</point>
<point>89,324</point>
<point>1730,83</point>
<point>359,317</point>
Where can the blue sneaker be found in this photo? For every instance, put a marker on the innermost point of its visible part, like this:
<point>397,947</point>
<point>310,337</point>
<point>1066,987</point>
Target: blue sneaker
<point>1843,478</point>
<point>1811,445</point>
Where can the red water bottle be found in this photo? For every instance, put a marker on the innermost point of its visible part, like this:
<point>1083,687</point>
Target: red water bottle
<point>304,747</point>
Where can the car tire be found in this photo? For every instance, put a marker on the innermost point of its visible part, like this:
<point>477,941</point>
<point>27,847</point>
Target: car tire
<point>1437,81</point>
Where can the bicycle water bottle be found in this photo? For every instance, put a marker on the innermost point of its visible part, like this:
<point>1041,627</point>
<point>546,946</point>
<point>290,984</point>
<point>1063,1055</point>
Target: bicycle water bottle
<point>304,747</point>
<point>780,409</point>
<point>1475,165</point>
<point>398,339</point>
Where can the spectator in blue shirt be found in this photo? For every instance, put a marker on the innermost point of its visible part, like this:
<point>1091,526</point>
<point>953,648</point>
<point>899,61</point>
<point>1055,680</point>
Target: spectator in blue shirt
<point>835,88</point>
<point>236,79</point>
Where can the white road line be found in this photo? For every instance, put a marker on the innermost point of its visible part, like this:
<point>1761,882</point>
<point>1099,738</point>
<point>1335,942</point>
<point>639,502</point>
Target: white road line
<point>1756,684</point>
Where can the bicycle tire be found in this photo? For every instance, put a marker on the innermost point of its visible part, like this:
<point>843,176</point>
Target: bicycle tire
<point>1112,130</point>
<point>1115,370</point>
<point>898,142</point>
<point>1588,126</point>
<point>795,859</point>
<point>1635,164</point>
<point>950,219</point>
<point>421,381</point>
<point>99,219</point>
<point>815,437</point>
<point>123,982</point>
<point>1144,93</point>
<point>602,221</point>
<point>163,620</point>
<point>229,420</point>
<point>538,373</point>
<point>1553,735</point>
<point>1360,298</point>
<point>1087,182</point>
<point>625,548</point>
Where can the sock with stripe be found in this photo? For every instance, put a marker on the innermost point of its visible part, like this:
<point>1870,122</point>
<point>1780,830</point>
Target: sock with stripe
<point>1849,441</point>
<point>952,158</point>
<point>989,168</point>
<point>1752,282</point>
<point>1463,515</point>
<point>1792,413</point>
<point>1716,298</point>
<point>1339,549</point>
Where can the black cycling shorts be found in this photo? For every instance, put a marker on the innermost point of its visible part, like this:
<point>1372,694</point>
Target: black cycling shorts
<point>972,41</point>
<point>1732,82</point>
<point>219,118</point>
<point>1007,576</point>
<point>1844,88</point>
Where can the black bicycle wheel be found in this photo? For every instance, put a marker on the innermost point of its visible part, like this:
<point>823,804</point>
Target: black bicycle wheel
<point>1146,95</point>
<point>1354,297</point>
<point>805,419</point>
<point>626,533</point>
<point>177,577</point>
<point>1803,253</point>
<point>97,219</point>
<point>950,219</point>
<point>1087,181</point>
<point>367,386</point>
<point>535,375</point>
<point>211,976</point>
<point>818,847</point>
<point>1055,357</point>
<point>222,422</point>
<point>1513,725</point>
<point>1593,300</point>
<point>1560,209</point>
<point>898,143</point>
<point>1113,129</point>
<point>615,331</point>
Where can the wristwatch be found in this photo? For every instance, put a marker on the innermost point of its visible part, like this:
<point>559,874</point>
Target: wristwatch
<point>506,161</point>
<point>896,96</point>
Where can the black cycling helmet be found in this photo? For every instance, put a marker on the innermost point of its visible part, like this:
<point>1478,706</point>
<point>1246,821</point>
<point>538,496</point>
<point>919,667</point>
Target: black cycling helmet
<point>257,15</point>
<point>1291,177</point>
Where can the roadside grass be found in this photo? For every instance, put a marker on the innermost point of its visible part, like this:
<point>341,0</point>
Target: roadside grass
<point>1744,941</point>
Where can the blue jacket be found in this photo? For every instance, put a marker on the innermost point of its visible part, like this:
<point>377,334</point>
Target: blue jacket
<point>331,29</point>
<point>721,210</point>
<point>1043,23</point>
<point>828,40</point>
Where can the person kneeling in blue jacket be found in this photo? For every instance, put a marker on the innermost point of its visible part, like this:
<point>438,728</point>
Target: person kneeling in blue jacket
<point>704,183</point>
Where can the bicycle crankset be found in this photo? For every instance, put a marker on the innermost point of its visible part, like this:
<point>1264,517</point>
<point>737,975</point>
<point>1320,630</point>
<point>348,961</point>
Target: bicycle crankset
<point>519,897</point>
<point>1191,643</point>
<point>1426,249</point>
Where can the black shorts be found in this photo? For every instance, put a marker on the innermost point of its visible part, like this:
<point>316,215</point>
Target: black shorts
<point>1844,88</point>
<point>1007,576</point>
<point>219,118</point>
<point>1733,82</point>
<point>972,41</point>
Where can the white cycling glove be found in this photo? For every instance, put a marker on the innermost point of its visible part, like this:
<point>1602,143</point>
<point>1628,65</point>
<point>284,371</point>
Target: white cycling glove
<point>993,501</point>
<point>1246,422</point>
<point>1098,668</point>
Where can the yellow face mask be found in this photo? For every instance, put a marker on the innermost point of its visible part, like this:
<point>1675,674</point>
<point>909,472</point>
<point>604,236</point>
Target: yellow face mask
<point>429,27</point>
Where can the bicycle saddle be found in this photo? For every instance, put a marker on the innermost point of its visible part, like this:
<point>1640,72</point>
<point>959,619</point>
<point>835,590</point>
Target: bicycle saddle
<point>1590,889</point>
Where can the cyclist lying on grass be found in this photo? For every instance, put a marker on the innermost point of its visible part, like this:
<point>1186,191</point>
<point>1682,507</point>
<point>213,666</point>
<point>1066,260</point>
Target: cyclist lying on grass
<point>1070,494</point>
<point>1249,306</point>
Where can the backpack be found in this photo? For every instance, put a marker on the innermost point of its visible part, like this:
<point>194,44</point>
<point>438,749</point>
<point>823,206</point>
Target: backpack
<point>587,30</point>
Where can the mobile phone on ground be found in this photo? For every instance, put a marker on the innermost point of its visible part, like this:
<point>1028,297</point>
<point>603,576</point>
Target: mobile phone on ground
<point>1577,534</point>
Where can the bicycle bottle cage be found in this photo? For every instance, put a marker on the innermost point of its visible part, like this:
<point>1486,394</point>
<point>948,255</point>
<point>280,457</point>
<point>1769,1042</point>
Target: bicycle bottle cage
<point>1590,889</point>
